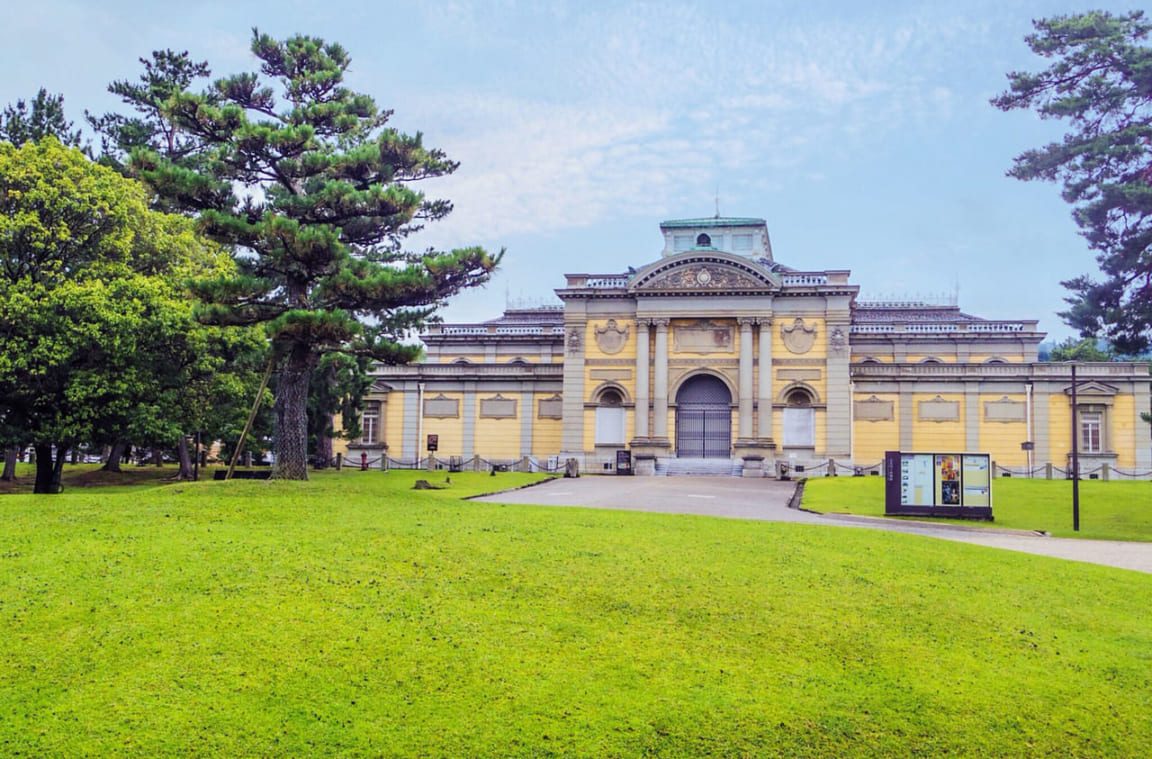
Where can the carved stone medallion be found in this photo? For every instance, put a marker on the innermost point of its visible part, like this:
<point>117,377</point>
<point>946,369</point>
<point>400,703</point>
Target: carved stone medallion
<point>798,338</point>
<point>610,338</point>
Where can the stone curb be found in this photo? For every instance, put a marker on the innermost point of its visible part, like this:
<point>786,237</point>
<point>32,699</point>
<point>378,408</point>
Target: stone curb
<point>887,522</point>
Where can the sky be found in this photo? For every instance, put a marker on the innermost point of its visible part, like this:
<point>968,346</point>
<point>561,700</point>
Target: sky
<point>861,132</point>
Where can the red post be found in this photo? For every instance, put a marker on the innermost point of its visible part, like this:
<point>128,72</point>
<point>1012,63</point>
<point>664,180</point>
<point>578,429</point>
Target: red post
<point>363,461</point>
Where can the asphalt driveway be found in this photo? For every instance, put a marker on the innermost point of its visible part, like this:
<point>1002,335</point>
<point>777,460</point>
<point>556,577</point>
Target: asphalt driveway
<point>764,499</point>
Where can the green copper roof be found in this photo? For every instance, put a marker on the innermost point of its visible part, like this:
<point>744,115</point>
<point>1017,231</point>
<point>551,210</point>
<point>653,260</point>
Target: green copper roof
<point>723,221</point>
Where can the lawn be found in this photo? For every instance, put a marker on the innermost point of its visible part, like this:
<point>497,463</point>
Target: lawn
<point>351,616</point>
<point>1118,510</point>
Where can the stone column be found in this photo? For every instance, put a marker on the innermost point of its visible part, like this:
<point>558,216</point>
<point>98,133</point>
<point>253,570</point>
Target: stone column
<point>642,399</point>
<point>744,404</point>
<point>764,386</point>
<point>660,382</point>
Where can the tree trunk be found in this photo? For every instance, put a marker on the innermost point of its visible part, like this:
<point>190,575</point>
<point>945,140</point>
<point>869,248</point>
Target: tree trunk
<point>185,459</point>
<point>48,471</point>
<point>157,457</point>
<point>291,409</point>
<point>114,457</point>
<point>10,456</point>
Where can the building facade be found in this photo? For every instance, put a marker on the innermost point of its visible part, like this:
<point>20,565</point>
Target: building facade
<point>715,351</point>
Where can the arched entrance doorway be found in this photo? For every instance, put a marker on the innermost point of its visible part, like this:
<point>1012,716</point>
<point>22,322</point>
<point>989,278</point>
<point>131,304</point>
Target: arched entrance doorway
<point>704,419</point>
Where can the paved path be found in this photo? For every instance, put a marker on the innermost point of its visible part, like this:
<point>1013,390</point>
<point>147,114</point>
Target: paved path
<point>768,500</point>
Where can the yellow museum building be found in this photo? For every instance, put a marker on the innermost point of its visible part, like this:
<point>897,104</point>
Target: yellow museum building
<point>717,358</point>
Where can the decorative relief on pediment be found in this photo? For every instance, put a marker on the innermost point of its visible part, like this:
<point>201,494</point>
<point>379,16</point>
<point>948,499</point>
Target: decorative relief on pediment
<point>939,410</point>
<point>1005,410</point>
<point>875,410</point>
<point>442,407</point>
<point>610,338</point>
<point>798,337</point>
<point>497,407</point>
<point>551,408</point>
<point>703,277</point>
<point>704,336</point>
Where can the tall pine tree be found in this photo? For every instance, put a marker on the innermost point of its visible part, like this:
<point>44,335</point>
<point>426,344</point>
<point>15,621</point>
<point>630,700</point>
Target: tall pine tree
<point>303,177</point>
<point>1100,83</point>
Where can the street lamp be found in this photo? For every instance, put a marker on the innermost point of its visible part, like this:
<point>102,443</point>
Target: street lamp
<point>1075,459</point>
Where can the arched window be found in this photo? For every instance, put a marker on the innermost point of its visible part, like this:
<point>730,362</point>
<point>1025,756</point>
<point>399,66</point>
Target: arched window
<point>610,418</point>
<point>799,419</point>
<point>703,241</point>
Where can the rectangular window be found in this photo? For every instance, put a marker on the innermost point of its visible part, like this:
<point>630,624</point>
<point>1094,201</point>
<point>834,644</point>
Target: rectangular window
<point>799,427</point>
<point>1091,424</point>
<point>370,424</point>
<point>610,425</point>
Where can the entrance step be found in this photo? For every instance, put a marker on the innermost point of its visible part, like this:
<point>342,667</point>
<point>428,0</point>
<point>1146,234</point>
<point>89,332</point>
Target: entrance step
<point>685,467</point>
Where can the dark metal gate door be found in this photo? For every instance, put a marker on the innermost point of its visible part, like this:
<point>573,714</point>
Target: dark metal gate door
<point>703,419</point>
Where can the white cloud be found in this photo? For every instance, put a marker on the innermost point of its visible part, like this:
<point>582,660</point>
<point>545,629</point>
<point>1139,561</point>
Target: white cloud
<point>648,105</point>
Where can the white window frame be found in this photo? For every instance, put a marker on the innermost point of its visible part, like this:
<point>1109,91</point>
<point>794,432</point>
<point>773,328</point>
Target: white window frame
<point>1091,432</point>
<point>370,423</point>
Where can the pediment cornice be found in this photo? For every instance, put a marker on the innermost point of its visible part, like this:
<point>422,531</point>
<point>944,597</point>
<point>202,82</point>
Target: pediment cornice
<point>704,273</point>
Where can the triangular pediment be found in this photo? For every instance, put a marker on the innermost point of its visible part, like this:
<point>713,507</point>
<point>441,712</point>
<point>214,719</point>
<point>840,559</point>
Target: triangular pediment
<point>704,274</point>
<point>1092,387</point>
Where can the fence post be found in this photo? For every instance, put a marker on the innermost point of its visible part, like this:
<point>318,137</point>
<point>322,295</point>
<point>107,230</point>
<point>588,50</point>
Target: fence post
<point>1105,471</point>
<point>1048,471</point>
<point>339,461</point>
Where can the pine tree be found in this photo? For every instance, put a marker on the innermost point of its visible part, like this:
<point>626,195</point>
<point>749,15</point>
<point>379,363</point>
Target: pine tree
<point>20,123</point>
<point>1100,83</point>
<point>303,177</point>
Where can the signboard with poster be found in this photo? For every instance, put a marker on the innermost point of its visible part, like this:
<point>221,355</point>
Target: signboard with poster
<point>938,485</point>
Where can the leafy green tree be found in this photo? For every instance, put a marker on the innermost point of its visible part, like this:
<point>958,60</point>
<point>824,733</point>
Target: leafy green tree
<point>339,385</point>
<point>92,312</point>
<point>314,192</point>
<point>1084,349</point>
<point>1100,83</point>
<point>20,123</point>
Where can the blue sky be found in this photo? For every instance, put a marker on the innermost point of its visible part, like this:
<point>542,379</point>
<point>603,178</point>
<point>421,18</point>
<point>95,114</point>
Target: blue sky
<point>861,132</point>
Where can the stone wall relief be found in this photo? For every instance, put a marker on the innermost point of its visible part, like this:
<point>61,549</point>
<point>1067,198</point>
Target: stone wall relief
<point>610,338</point>
<point>497,407</point>
<point>442,407</point>
<point>551,408</point>
<point>703,277</point>
<point>838,341</point>
<point>574,342</point>
<point>1005,410</point>
<point>875,410</point>
<point>704,336</point>
<point>939,410</point>
<point>798,337</point>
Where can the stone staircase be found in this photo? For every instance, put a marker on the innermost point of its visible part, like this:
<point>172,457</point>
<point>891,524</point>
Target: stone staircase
<point>677,467</point>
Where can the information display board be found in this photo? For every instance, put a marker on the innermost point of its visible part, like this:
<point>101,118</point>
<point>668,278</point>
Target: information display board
<point>938,484</point>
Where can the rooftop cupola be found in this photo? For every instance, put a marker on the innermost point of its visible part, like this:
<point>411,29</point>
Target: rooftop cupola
<point>742,236</point>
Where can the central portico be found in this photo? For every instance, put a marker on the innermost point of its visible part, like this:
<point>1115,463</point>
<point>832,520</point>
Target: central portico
<point>724,338</point>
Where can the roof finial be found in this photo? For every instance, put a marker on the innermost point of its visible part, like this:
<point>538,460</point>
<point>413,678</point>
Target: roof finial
<point>717,201</point>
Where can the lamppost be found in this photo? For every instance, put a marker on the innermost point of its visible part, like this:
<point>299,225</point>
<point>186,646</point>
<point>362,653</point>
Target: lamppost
<point>1075,459</point>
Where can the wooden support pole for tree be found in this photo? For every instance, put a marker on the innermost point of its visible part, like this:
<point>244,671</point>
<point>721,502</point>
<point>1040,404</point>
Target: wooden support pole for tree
<point>251,419</point>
